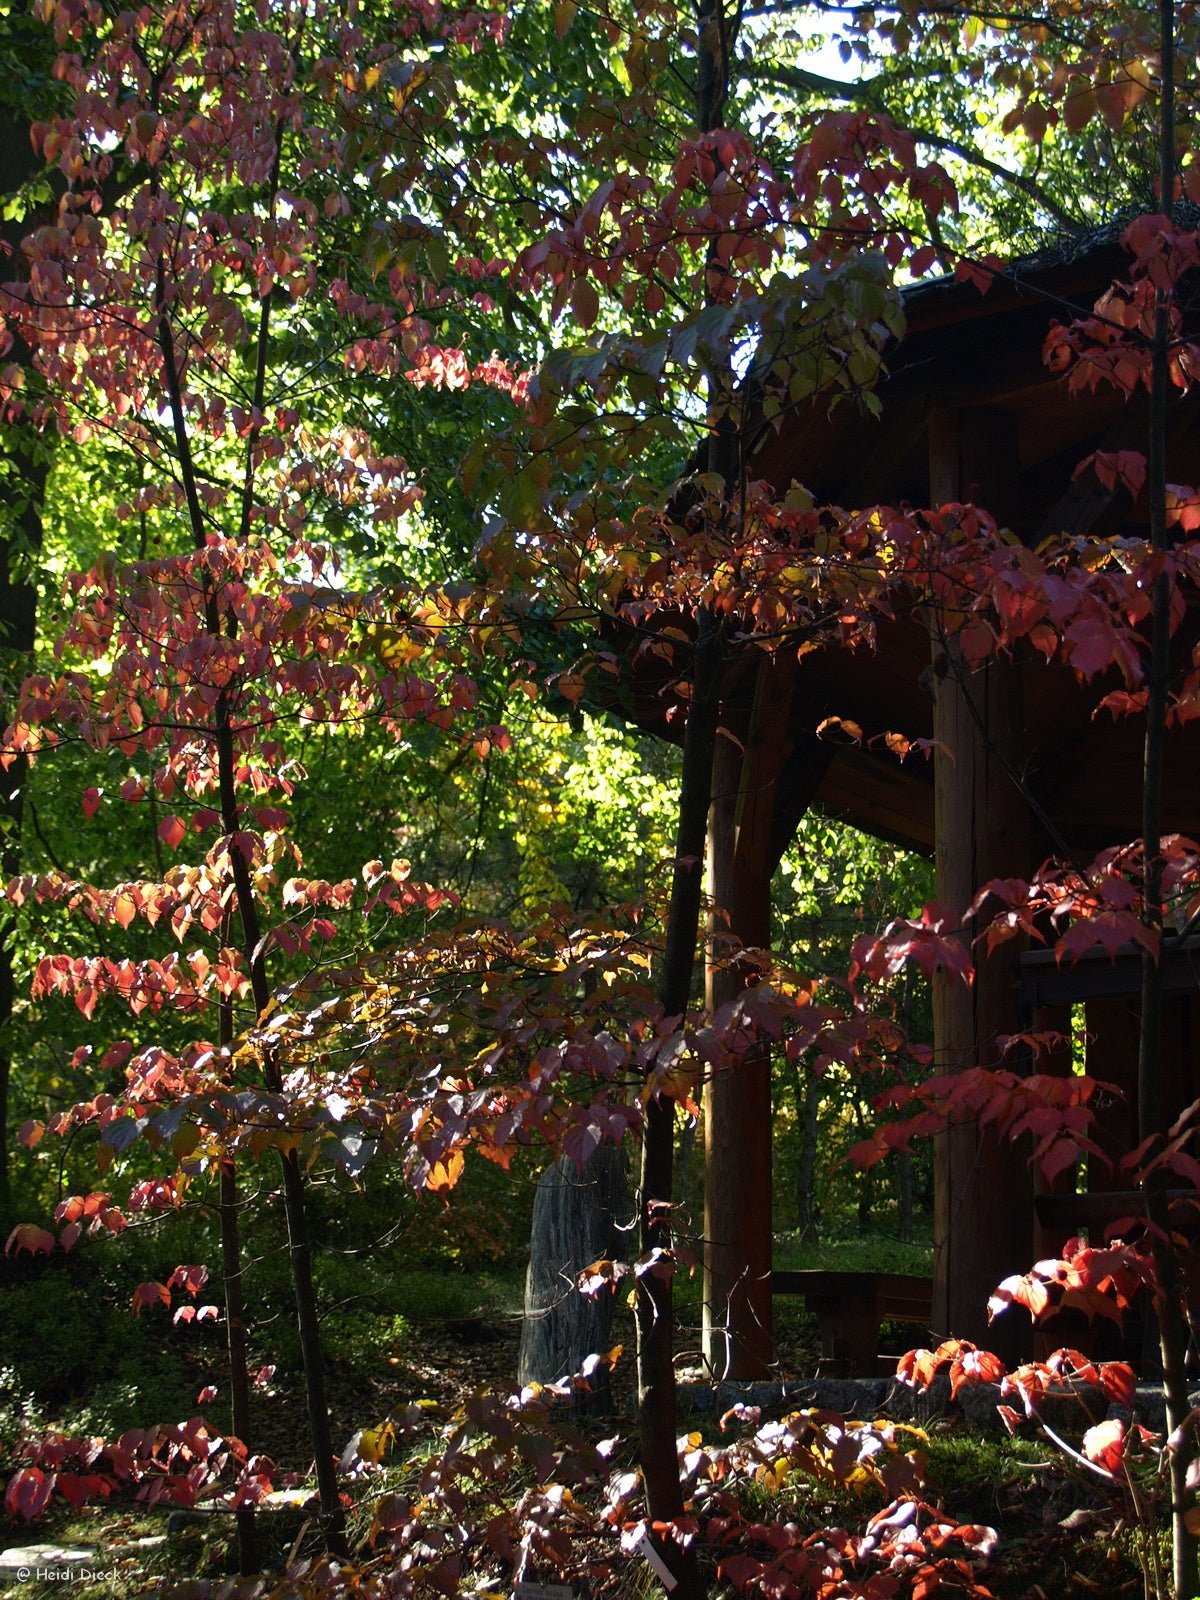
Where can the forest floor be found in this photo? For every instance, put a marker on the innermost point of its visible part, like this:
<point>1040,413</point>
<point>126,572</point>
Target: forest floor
<point>1056,1537</point>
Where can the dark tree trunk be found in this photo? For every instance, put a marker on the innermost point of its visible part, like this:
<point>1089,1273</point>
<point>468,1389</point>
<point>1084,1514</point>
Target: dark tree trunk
<point>655,1314</point>
<point>19,550</point>
<point>239,1372</point>
<point>331,1518</point>
<point>233,1286</point>
<point>29,454</point>
<point>578,1218</point>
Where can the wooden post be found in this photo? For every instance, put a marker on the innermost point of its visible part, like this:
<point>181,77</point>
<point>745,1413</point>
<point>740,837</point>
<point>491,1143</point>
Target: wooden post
<point>1057,1062</point>
<point>738,1341</point>
<point>983,1207</point>
<point>743,848</point>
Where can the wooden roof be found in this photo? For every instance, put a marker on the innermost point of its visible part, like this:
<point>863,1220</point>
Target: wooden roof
<point>982,353</point>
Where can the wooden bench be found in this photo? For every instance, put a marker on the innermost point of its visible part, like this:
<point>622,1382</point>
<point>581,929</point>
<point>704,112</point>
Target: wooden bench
<point>849,1307</point>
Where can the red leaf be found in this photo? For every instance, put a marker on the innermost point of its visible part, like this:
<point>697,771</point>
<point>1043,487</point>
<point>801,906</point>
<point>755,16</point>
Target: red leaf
<point>851,731</point>
<point>1027,1291</point>
<point>91,801</point>
<point>1110,466</point>
<point>972,1366</point>
<point>29,1493</point>
<point>171,831</point>
<point>599,1276</point>
<point>151,1294</point>
<point>190,1278</point>
<point>1183,507</point>
<point>585,302</point>
<point>1118,1381</point>
<point>74,1488</point>
<point>1106,1444</point>
<point>1061,1155</point>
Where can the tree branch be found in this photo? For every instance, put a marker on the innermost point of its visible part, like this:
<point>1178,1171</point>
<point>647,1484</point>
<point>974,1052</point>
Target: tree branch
<point>870,92</point>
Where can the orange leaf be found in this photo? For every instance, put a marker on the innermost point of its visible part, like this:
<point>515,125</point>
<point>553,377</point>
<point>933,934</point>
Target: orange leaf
<point>171,831</point>
<point>443,1175</point>
<point>27,1236</point>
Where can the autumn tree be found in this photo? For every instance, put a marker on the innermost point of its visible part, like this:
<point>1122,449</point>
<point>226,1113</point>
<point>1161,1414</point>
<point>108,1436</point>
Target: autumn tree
<point>168,310</point>
<point>712,280</point>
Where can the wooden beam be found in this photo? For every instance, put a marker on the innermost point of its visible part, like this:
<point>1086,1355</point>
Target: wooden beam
<point>983,1205</point>
<point>1046,981</point>
<point>752,754</point>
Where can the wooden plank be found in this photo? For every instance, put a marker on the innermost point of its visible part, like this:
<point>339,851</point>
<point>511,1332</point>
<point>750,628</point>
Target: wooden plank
<point>1045,982</point>
<point>1104,1206</point>
<point>883,799</point>
<point>903,1287</point>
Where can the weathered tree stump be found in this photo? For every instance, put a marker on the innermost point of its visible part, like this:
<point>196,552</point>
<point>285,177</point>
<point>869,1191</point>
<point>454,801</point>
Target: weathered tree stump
<point>577,1219</point>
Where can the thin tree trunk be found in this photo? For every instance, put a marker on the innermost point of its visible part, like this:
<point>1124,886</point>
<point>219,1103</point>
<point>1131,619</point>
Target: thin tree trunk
<point>18,622</point>
<point>332,1518</point>
<point>806,1089</point>
<point>235,1331</point>
<point>29,453</point>
<point>904,1195</point>
<point>235,1312</point>
<point>655,1296</point>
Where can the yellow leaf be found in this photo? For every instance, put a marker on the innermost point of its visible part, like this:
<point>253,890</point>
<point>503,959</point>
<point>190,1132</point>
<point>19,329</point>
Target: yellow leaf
<point>394,647</point>
<point>374,1443</point>
<point>406,80</point>
<point>443,1175</point>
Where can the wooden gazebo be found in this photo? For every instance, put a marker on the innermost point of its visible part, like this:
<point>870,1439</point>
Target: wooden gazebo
<point>968,411</point>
